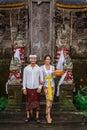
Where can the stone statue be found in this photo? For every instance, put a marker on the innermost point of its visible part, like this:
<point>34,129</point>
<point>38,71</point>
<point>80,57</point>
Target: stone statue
<point>67,63</point>
<point>19,41</point>
<point>63,37</point>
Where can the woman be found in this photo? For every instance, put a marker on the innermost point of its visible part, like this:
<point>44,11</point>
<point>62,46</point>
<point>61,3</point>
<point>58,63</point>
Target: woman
<point>48,85</point>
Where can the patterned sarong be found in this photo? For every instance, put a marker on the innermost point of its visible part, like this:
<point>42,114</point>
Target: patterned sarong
<point>32,99</point>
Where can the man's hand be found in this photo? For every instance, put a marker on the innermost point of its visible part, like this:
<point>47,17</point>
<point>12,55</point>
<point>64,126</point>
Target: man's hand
<point>24,91</point>
<point>38,90</point>
<point>41,82</point>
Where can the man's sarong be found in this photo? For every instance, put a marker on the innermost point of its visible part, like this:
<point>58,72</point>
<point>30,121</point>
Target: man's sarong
<point>32,99</point>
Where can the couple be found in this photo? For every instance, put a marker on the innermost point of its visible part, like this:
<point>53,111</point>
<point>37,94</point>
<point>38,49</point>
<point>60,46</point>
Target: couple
<point>34,77</point>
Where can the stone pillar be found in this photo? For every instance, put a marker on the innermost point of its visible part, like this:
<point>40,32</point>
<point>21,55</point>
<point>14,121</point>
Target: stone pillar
<point>14,97</point>
<point>66,97</point>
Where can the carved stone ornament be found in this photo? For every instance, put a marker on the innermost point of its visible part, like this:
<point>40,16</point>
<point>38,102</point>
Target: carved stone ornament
<point>68,63</point>
<point>20,41</point>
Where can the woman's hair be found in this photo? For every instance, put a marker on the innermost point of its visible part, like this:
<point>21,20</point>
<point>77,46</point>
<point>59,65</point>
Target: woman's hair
<point>47,56</point>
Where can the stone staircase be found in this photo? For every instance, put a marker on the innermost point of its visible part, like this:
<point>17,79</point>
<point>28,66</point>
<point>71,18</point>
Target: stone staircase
<point>63,110</point>
<point>16,100</point>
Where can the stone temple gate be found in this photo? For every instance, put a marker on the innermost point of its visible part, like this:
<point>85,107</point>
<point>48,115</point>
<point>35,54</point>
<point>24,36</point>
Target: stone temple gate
<point>42,27</point>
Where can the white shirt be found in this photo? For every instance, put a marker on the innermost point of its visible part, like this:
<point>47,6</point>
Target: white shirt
<point>32,77</point>
<point>48,73</point>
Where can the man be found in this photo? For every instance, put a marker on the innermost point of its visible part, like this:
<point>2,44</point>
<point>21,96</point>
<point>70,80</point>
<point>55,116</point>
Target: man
<point>32,79</point>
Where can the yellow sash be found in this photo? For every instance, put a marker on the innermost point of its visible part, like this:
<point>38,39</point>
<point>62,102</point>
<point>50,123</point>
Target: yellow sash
<point>49,86</point>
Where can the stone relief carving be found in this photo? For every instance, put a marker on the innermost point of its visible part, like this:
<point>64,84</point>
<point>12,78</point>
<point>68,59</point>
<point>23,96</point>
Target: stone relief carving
<point>79,50</point>
<point>63,37</point>
<point>19,41</point>
<point>67,63</point>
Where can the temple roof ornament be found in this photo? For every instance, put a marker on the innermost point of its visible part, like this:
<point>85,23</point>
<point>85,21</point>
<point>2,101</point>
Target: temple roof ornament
<point>12,3</point>
<point>72,4</point>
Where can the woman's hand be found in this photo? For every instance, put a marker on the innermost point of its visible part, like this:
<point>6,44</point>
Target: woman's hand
<point>24,91</point>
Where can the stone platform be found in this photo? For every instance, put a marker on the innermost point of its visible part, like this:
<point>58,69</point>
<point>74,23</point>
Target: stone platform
<point>63,110</point>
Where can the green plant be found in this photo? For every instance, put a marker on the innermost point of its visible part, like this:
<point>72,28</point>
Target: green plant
<point>3,103</point>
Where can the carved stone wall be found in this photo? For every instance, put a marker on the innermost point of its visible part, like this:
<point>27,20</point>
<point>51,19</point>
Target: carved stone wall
<point>11,23</point>
<point>71,33</point>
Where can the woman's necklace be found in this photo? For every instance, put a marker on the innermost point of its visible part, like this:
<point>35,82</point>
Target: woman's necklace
<point>47,67</point>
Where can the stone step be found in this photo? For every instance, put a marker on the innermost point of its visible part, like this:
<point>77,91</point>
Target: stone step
<point>62,103</point>
<point>63,106</point>
<point>58,117</point>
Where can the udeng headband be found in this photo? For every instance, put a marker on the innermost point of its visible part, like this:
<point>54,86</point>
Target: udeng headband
<point>32,56</point>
